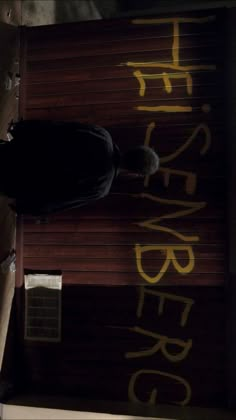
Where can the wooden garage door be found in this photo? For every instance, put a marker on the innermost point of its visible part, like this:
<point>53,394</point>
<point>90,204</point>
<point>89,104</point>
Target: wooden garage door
<point>156,81</point>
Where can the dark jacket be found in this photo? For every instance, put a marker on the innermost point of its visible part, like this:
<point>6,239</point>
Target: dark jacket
<point>57,166</point>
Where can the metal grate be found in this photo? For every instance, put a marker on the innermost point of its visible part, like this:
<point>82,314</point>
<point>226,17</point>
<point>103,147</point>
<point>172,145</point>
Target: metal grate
<point>43,307</point>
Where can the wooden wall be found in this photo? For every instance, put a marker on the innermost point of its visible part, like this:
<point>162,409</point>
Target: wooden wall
<point>88,72</point>
<point>159,82</point>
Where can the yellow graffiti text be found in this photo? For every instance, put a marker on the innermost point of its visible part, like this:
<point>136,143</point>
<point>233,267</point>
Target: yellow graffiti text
<point>157,64</point>
<point>191,207</point>
<point>162,298</point>
<point>175,21</point>
<point>173,232</point>
<point>191,178</point>
<point>153,396</point>
<point>162,343</point>
<point>148,133</point>
<point>165,108</point>
<point>160,21</point>
<point>169,251</point>
<point>141,77</point>
<point>203,150</point>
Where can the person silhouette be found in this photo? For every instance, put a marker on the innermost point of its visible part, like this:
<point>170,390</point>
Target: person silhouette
<point>60,165</point>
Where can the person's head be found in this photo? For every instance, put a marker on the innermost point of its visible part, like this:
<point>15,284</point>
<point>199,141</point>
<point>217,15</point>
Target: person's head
<point>140,160</point>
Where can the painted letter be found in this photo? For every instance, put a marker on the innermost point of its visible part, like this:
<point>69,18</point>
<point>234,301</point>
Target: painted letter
<point>191,207</point>
<point>162,343</point>
<point>170,251</point>
<point>166,77</point>
<point>162,298</point>
<point>153,396</point>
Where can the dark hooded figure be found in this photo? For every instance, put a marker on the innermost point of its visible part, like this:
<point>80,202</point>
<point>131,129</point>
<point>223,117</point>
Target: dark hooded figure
<point>54,166</point>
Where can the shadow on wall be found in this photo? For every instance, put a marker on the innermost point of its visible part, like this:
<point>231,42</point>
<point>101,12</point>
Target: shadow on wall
<point>132,8</point>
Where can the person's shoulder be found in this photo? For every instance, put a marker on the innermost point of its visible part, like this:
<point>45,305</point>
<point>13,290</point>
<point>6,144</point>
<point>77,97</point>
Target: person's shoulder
<point>99,136</point>
<point>97,131</point>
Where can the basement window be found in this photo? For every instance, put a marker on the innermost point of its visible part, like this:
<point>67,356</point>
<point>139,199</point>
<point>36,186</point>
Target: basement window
<point>43,307</point>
